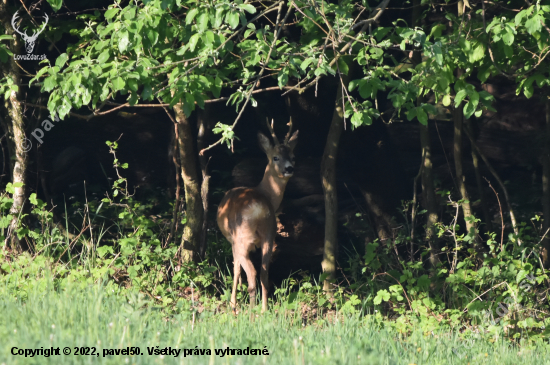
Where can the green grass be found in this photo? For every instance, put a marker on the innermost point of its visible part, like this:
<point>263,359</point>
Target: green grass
<point>96,317</point>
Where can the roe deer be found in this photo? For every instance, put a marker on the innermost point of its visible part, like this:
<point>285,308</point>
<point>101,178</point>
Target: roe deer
<point>246,216</point>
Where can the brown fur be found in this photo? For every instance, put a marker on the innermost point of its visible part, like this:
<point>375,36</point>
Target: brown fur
<point>246,216</point>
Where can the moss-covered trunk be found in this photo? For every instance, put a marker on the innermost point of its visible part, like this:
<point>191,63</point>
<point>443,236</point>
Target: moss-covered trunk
<point>14,126</point>
<point>191,239</point>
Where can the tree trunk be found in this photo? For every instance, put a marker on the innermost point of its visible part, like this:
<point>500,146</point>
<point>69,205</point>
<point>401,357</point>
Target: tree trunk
<point>328,178</point>
<point>546,189</point>
<point>191,238</point>
<point>428,193</point>
<point>382,220</point>
<point>479,182</point>
<point>15,129</point>
<point>502,186</point>
<point>428,190</point>
<point>202,116</point>
<point>458,119</point>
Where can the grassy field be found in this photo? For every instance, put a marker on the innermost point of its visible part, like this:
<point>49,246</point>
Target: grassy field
<point>95,317</point>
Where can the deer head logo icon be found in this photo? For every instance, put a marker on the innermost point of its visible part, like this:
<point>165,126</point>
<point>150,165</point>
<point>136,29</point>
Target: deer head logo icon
<point>29,40</point>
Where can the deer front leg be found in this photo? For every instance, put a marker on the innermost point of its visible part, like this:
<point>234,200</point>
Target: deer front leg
<point>236,280</point>
<point>267,249</point>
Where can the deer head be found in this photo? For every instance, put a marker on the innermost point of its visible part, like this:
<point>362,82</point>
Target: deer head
<point>280,156</point>
<point>29,40</point>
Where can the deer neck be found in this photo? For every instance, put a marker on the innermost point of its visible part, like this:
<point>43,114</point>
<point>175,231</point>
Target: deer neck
<point>273,187</point>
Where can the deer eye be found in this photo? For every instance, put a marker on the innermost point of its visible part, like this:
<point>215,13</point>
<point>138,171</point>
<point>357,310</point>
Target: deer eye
<point>275,158</point>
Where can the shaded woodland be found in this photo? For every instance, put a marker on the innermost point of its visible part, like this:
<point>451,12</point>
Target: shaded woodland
<point>423,166</point>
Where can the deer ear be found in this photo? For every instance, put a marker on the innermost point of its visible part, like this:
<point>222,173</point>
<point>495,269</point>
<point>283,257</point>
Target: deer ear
<point>293,141</point>
<point>265,143</point>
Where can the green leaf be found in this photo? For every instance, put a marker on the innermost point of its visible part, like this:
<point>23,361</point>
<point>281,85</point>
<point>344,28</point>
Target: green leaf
<point>381,295</point>
<point>353,84</point>
<point>218,20</point>
<point>477,53</point>
<point>343,66</point>
<point>357,119</point>
<point>210,37</point>
<point>232,19</point>
<point>437,30</point>
<point>103,57</point>
<point>191,15</point>
<point>446,100</point>
<point>217,87</point>
<point>193,41</point>
<point>528,90</point>
<point>508,37</point>
<point>484,72</point>
<point>438,53</point>
<point>133,84</point>
<point>248,8</point>
<point>533,24</point>
<point>365,89</point>
<point>111,13</point>
<point>522,14</point>
<point>104,250</point>
<point>50,83</point>
<point>202,21</point>
<point>118,84</point>
<point>123,42</point>
<point>55,4</point>
<point>422,116</point>
<point>189,104</point>
<point>306,63</point>
<point>469,109</point>
<point>60,62</point>
<point>282,78</point>
<point>460,95</point>
<point>411,114</point>
<point>147,93</point>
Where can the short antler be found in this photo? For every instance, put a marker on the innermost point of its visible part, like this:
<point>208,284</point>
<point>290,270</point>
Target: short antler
<point>270,127</point>
<point>287,137</point>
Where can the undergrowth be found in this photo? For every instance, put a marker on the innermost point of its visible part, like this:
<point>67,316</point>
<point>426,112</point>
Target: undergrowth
<point>498,292</point>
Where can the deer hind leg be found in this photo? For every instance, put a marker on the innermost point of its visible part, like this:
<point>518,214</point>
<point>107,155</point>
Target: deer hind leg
<point>236,281</point>
<point>267,249</point>
<point>251,277</point>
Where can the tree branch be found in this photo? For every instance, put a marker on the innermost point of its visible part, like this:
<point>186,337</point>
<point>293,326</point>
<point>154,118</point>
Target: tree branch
<point>277,33</point>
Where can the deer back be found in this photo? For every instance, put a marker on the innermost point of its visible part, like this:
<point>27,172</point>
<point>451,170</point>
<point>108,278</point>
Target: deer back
<point>248,209</point>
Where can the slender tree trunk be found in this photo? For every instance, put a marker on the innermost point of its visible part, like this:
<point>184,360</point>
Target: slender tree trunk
<point>15,125</point>
<point>479,182</point>
<point>428,193</point>
<point>191,238</point>
<point>202,116</point>
<point>328,178</point>
<point>177,168</point>
<point>428,190</point>
<point>546,189</point>
<point>458,119</point>
<point>502,186</point>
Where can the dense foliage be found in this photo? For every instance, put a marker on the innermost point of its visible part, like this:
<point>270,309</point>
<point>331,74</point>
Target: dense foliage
<point>165,53</point>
